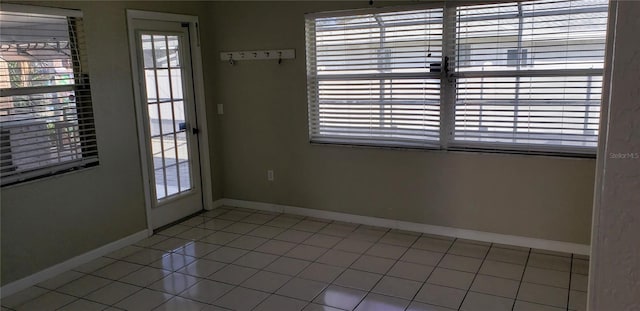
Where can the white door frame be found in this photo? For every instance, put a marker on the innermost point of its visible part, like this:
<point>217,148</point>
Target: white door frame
<point>200,106</point>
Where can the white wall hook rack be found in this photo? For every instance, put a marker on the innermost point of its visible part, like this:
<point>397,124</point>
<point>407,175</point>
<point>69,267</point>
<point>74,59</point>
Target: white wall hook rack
<point>257,55</point>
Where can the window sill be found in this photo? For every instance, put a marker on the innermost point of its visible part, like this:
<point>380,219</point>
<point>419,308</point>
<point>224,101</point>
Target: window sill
<point>479,151</point>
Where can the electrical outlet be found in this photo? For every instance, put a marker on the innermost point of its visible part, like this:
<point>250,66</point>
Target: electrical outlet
<point>270,175</point>
<point>220,109</point>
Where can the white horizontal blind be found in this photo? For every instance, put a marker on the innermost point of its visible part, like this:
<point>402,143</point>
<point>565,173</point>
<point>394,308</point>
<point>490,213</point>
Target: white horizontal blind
<point>529,75</point>
<point>374,78</point>
<point>46,116</point>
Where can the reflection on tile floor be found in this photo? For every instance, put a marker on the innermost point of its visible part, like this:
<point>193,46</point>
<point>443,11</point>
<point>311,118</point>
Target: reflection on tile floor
<point>241,259</point>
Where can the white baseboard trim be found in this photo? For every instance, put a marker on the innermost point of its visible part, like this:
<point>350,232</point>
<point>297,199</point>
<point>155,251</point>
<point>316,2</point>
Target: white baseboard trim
<point>67,265</point>
<point>551,245</point>
<point>217,203</point>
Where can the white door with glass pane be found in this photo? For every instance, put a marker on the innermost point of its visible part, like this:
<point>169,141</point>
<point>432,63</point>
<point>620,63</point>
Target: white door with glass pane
<point>169,122</point>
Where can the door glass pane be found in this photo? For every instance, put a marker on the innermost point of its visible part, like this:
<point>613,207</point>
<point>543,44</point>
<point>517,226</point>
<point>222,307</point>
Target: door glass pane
<point>174,51</point>
<point>147,51</point>
<point>185,183</point>
<point>176,85</point>
<point>166,113</point>
<point>150,85</point>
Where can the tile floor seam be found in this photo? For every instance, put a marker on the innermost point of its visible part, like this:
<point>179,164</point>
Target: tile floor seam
<point>475,275</point>
<point>206,278</point>
<point>83,297</point>
<point>434,268</point>
<point>141,289</point>
<point>291,276</point>
<point>569,286</point>
<point>544,304</point>
<point>378,281</point>
<point>79,298</point>
<point>258,270</point>
<point>343,238</point>
<point>88,293</point>
<point>315,261</point>
<point>149,266</point>
<point>521,280</point>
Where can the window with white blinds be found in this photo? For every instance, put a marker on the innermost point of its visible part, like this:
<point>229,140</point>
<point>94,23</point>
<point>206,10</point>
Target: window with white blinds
<point>532,75</point>
<point>46,116</point>
<point>524,76</point>
<point>374,78</point>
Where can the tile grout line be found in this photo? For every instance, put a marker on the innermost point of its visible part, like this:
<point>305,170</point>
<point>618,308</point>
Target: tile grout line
<point>230,263</point>
<point>281,256</point>
<point>526,263</point>
<point>475,275</point>
<point>351,264</point>
<point>301,243</point>
<point>315,261</point>
<point>343,237</point>
<point>102,287</point>
<point>189,241</point>
<point>570,278</point>
<point>434,268</point>
<point>223,245</point>
<point>363,253</point>
<point>172,271</point>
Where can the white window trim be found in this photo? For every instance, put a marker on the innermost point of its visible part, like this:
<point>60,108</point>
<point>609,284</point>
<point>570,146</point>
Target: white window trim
<point>21,8</point>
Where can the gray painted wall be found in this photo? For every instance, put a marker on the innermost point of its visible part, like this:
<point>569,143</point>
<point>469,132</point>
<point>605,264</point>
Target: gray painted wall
<point>614,282</point>
<point>265,127</point>
<point>48,221</point>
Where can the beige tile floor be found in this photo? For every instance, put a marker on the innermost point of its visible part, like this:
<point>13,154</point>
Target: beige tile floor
<point>241,259</point>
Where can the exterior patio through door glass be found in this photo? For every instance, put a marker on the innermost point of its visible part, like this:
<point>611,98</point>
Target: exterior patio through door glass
<point>166,111</point>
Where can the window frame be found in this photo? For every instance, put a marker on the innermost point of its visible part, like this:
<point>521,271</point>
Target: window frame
<point>427,144</point>
<point>85,125</point>
<point>449,80</point>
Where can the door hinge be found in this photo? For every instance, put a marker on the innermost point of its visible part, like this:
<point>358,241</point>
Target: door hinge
<point>195,131</point>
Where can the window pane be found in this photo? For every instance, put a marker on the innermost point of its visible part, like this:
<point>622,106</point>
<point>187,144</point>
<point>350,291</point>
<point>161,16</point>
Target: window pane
<point>530,75</point>
<point>375,78</point>
<point>46,118</point>
<point>535,35</point>
<point>531,110</point>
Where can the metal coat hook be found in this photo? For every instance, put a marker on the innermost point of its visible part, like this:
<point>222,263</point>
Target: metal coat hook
<point>234,56</point>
